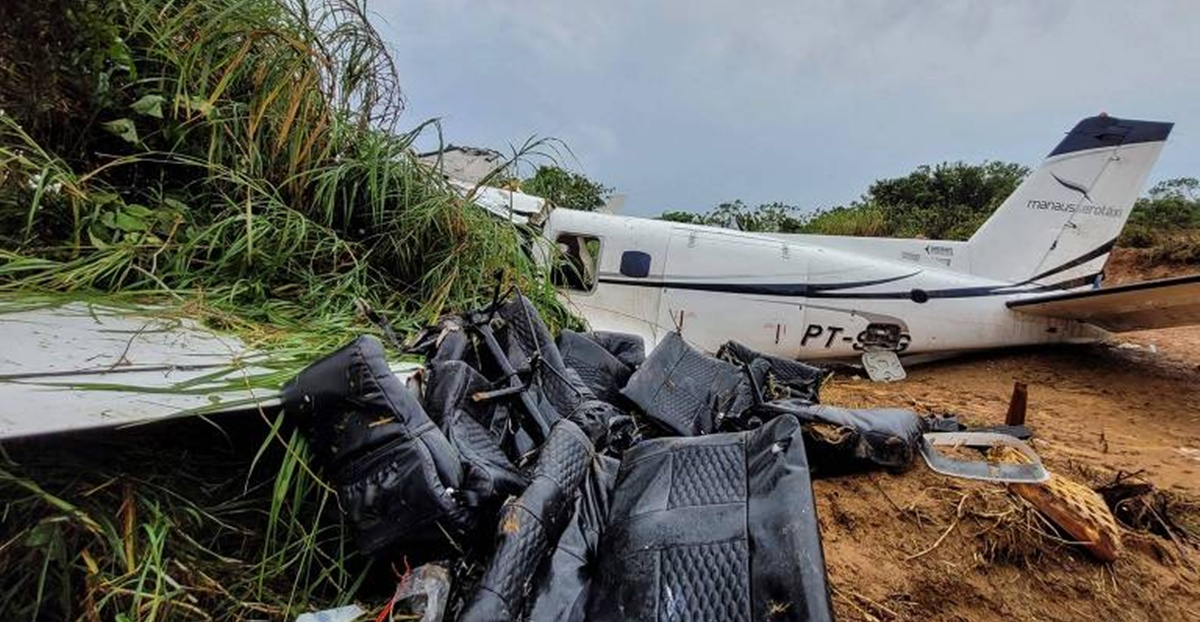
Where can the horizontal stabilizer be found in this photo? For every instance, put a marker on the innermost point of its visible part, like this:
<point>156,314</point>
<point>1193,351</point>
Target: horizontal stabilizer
<point>1138,306</point>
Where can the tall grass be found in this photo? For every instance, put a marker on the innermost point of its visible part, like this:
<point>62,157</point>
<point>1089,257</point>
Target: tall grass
<point>248,151</point>
<point>167,523</point>
<point>240,160</point>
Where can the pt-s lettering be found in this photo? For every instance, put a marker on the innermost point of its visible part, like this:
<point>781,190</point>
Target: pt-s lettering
<point>883,337</point>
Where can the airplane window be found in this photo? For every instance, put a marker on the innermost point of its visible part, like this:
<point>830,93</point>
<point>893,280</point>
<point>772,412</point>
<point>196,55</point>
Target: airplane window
<point>579,262</point>
<point>635,264</point>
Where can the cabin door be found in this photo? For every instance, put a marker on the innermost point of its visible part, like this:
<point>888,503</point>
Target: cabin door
<point>610,271</point>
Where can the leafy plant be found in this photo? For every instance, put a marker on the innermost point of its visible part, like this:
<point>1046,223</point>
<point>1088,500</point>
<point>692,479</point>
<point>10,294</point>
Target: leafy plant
<point>567,189</point>
<point>246,150</point>
<point>1167,221</point>
<point>946,201</point>
<point>769,217</point>
<point>864,220</point>
<point>236,161</point>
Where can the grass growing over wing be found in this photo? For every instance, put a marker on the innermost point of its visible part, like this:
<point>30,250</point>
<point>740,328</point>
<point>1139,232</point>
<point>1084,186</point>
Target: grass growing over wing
<point>236,161</point>
<point>244,151</point>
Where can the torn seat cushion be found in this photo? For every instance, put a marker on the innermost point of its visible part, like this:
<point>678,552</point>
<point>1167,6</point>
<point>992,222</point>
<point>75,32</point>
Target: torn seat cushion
<point>450,386</point>
<point>682,389</point>
<point>566,575</point>
<point>629,349</point>
<point>393,468</point>
<point>602,372</point>
<point>489,475</point>
<point>886,437</point>
<point>531,524</point>
<point>714,528</point>
<point>789,379</point>
<point>528,345</point>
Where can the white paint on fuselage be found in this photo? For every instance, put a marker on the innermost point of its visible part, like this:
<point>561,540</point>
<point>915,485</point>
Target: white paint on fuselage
<point>691,265</point>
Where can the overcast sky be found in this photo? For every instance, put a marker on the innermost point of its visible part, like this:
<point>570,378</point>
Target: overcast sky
<point>685,104</point>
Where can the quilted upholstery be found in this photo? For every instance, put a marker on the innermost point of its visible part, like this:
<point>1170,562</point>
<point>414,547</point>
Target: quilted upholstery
<point>531,524</point>
<point>713,528</point>
<point>707,475</point>
<point>682,389</point>
<point>705,582</point>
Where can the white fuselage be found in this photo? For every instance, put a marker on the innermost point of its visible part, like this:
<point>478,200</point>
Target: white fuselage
<point>801,297</point>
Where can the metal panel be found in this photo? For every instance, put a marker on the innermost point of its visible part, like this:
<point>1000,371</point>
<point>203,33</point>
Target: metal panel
<point>76,366</point>
<point>1139,306</point>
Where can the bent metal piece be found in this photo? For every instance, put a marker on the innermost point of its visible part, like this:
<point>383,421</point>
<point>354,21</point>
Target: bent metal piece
<point>1031,473</point>
<point>536,424</point>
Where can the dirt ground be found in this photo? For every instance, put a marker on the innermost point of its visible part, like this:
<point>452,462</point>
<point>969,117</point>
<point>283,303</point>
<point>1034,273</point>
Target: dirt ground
<point>921,546</point>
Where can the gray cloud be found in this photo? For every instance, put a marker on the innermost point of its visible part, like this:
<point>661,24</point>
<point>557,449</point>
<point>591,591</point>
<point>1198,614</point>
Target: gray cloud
<point>684,104</point>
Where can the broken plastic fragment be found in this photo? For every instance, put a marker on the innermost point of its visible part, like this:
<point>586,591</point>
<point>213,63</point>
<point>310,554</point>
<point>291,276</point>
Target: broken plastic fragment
<point>349,613</point>
<point>1030,472</point>
<point>424,592</point>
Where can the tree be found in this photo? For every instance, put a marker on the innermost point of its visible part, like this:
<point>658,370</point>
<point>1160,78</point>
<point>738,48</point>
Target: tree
<point>691,218</point>
<point>774,217</point>
<point>946,201</point>
<point>1171,207</point>
<point>1170,204</point>
<point>566,189</point>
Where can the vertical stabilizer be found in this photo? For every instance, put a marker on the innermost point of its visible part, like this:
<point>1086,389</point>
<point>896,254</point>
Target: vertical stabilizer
<point>1059,225</point>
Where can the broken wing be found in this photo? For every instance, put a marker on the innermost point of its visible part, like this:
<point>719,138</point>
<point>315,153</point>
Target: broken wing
<point>1138,306</point>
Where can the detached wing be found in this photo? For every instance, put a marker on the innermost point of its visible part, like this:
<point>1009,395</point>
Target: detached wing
<point>1139,306</point>
<point>74,366</point>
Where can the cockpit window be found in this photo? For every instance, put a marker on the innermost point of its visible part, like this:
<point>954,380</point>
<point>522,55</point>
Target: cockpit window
<point>578,263</point>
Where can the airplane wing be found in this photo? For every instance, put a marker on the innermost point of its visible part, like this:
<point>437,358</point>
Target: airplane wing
<point>73,366</point>
<point>1138,306</point>
<point>518,207</point>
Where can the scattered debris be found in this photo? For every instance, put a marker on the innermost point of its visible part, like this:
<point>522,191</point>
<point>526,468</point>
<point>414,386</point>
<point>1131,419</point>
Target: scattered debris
<point>422,592</point>
<point>349,613</point>
<point>471,165</point>
<point>883,366</point>
<point>786,379</point>
<point>565,479</point>
<point>950,423</point>
<point>1078,510</point>
<point>1139,505</point>
<point>508,413</point>
<point>842,439</point>
<point>1028,471</point>
<point>1017,405</point>
<point>1074,508</point>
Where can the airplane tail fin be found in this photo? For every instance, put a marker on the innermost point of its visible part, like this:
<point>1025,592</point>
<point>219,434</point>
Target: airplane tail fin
<point>1059,225</point>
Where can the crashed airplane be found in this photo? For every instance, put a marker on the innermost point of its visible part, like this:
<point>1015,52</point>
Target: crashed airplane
<point>565,477</point>
<point>1029,275</point>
